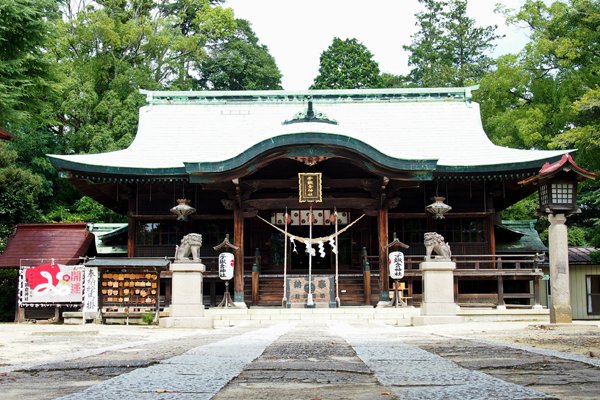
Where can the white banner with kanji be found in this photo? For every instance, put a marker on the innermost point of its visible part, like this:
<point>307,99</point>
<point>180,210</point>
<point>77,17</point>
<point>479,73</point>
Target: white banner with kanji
<point>49,284</point>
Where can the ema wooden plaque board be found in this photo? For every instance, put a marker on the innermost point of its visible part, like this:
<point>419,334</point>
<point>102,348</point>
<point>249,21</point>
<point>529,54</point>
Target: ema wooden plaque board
<point>310,187</point>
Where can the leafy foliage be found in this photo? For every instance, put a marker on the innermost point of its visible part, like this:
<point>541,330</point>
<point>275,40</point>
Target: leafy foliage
<point>20,191</point>
<point>547,97</point>
<point>449,49</point>
<point>70,74</point>
<point>26,73</point>
<point>240,63</point>
<point>8,294</point>
<point>347,64</point>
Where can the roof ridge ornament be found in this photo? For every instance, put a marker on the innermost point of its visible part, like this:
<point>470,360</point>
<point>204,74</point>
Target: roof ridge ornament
<point>309,115</point>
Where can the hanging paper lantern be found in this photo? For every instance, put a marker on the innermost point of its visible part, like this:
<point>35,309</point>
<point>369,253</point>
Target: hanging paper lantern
<point>396,264</point>
<point>226,262</point>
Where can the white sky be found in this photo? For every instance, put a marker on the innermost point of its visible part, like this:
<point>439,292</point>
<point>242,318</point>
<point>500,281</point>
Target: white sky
<point>297,32</point>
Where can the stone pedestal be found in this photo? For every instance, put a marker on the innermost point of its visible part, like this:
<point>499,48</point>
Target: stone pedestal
<point>558,245</point>
<point>438,306</point>
<point>187,310</point>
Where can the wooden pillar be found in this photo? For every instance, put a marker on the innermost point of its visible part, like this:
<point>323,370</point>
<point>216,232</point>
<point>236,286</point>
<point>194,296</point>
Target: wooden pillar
<point>501,303</point>
<point>238,233</point>
<point>131,222</point>
<point>255,276</point>
<point>536,293</point>
<point>455,289</point>
<point>492,234</point>
<point>366,278</point>
<point>382,222</point>
<point>131,236</point>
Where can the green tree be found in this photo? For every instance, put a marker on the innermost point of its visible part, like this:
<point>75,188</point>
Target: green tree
<point>546,96</point>
<point>347,64</point>
<point>110,49</point>
<point>393,81</point>
<point>449,49</point>
<point>240,63</point>
<point>20,191</point>
<point>26,76</point>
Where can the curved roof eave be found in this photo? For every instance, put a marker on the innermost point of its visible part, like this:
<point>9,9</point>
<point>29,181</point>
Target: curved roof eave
<point>63,164</point>
<point>329,141</point>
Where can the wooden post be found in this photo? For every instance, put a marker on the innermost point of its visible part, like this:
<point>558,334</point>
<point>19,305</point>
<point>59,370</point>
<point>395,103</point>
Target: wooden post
<point>501,303</point>
<point>131,236</point>
<point>536,293</point>
<point>131,222</point>
<point>255,276</point>
<point>455,289</point>
<point>366,278</point>
<point>238,233</point>
<point>382,222</point>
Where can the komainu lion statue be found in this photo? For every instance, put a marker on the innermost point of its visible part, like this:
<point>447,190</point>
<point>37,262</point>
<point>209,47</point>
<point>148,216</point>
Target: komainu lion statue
<point>190,245</point>
<point>435,242</point>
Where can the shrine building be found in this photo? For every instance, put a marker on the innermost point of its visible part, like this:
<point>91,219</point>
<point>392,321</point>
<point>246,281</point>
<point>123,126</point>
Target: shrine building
<point>389,163</point>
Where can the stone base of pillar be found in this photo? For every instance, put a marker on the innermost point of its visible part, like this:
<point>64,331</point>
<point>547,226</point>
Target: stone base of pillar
<point>382,303</point>
<point>438,288</point>
<point>240,304</point>
<point>186,322</point>
<point>501,307</point>
<point>561,314</point>
<point>187,310</point>
<point>436,320</point>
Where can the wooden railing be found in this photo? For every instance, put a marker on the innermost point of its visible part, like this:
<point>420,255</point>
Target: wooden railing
<point>476,262</point>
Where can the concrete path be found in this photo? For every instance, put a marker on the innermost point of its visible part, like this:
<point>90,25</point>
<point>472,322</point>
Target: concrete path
<point>309,360</point>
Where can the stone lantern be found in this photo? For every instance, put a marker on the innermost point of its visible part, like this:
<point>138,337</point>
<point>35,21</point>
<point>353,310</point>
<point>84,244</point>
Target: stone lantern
<point>558,199</point>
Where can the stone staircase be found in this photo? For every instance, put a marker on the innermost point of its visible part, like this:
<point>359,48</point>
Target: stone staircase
<point>400,316</point>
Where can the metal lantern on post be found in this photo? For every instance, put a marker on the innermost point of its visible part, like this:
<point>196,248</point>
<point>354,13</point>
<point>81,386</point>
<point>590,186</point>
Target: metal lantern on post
<point>558,199</point>
<point>558,193</point>
<point>558,186</point>
<point>438,208</point>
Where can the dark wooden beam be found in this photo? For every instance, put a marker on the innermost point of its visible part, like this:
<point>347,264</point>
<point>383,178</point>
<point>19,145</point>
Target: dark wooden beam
<point>328,183</point>
<point>167,217</point>
<point>328,202</point>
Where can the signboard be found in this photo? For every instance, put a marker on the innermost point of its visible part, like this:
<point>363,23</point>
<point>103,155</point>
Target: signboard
<point>322,289</point>
<point>226,262</point>
<point>396,263</point>
<point>50,284</point>
<point>90,290</point>
<point>320,217</point>
<point>311,187</point>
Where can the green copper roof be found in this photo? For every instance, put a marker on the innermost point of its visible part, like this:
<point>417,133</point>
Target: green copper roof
<point>336,96</point>
<point>518,237</point>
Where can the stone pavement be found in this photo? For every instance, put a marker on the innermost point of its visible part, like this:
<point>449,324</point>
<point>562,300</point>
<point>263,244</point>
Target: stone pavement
<point>309,360</point>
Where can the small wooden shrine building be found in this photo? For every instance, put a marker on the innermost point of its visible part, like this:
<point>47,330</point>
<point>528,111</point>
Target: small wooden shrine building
<point>385,153</point>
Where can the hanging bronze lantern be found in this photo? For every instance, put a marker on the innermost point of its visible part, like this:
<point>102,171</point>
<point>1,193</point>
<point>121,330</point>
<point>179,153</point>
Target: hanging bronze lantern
<point>438,208</point>
<point>183,209</point>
